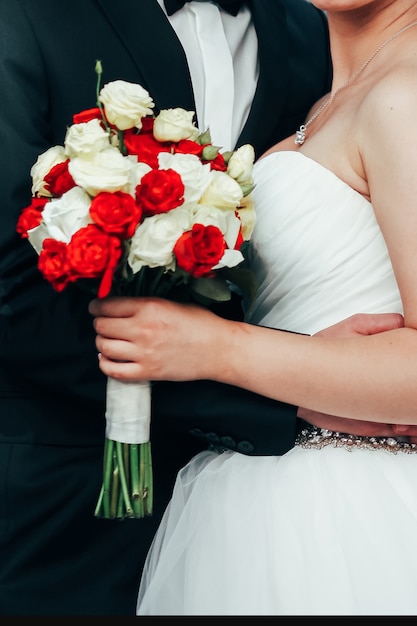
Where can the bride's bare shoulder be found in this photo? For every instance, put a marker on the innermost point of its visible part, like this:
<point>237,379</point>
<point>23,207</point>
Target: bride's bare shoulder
<point>392,102</point>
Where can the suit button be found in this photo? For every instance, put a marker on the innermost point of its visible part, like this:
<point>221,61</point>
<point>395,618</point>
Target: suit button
<point>212,437</point>
<point>228,442</point>
<point>196,432</point>
<point>245,447</point>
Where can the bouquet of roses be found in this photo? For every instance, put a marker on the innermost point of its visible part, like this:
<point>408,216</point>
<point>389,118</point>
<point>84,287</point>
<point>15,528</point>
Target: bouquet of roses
<point>138,204</point>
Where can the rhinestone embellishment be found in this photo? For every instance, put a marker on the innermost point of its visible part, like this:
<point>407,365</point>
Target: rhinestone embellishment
<point>312,437</point>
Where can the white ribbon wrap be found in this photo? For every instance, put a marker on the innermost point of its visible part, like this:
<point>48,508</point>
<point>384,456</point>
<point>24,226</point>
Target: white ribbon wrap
<point>128,411</point>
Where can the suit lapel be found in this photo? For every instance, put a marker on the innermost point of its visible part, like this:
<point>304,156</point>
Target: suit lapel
<point>161,63</point>
<point>163,69</point>
<point>269,20</point>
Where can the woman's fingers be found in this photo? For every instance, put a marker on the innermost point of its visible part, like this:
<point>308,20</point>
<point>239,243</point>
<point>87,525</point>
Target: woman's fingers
<point>161,339</point>
<point>118,306</point>
<point>121,370</point>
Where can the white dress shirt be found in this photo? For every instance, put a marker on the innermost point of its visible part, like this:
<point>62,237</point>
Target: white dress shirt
<point>221,51</point>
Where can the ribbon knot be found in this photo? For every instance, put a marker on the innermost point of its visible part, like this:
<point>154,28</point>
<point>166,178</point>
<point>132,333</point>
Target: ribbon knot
<point>231,6</point>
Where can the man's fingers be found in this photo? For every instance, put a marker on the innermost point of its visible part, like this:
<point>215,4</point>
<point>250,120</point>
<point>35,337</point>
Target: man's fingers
<point>381,322</point>
<point>404,429</point>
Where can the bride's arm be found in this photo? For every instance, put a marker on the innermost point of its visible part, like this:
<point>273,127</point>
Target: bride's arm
<point>361,377</point>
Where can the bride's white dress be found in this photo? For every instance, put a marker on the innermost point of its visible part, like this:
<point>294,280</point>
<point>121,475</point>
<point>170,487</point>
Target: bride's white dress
<point>318,531</point>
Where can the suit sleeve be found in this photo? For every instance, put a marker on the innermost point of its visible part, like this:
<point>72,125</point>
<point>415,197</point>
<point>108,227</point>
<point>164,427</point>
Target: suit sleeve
<point>225,416</point>
<point>46,339</point>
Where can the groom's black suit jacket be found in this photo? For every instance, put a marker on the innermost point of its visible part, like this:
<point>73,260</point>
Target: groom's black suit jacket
<point>51,390</point>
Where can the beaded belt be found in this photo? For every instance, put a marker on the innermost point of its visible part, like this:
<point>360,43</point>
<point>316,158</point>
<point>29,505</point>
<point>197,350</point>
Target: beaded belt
<point>313,437</point>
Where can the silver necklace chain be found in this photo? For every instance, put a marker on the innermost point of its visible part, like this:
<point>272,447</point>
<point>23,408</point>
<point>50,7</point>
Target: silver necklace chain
<point>300,135</point>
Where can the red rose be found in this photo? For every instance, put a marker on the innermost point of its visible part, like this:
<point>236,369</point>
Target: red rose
<point>218,163</point>
<point>53,263</point>
<point>198,250</point>
<point>145,147</point>
<point>186,146</point>
<point>31,216</point>
<point>239,239</point>
<point>116,213</point>
<point>90,250</point>
<point>159,191</point>
<point>87,116</point>
<point>58,180</point>
<point>92,253</point>
<point>147,125</point>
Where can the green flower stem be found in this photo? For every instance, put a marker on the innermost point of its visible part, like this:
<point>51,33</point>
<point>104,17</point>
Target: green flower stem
<point>149,482</point>
<point>99,71</point>
<point>126,464</point>
<point>142,477</point>
<point>135,473</point>
<point>108,463</point>
<point>122,479</point>
<point>145,473</point>
<point>127,489</point>
<point>120,138</point>
<point>114,492</point>
<point>120,514</point>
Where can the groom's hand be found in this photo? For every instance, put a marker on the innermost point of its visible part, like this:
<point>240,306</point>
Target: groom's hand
<point>401,430</point>
<point>360,324</point>
<point>363,324</point>
<point>347,425</point>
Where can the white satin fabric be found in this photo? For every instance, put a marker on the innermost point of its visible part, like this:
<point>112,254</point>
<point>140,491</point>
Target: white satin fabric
<point>318,252</point>
<point>128,410</point>
<point>313,532</point>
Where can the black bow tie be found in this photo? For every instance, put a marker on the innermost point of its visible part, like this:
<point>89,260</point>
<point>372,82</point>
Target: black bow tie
<point>231,6</point>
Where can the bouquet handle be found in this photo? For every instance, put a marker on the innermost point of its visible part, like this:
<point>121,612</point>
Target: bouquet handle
<point>127,489</point>
<point>128,411</point>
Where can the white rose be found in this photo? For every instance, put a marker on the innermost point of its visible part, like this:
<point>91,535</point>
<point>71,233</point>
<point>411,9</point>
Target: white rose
<point>86,138</point>
<point>223,191</point>
<point>45,162</point>
<point>240,164</point>
<point>174,125</point>
<point>247,215</point>
<point>226,221</point>
<point>62,217</point>
<point>194,174</point>
<point>154,240</point>
<point>125,104</point>
<point>230,258</point>
<point>139,169</point>
<point>107,170</point>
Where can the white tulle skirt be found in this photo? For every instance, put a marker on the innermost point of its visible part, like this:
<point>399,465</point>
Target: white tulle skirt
<point>314,532</point>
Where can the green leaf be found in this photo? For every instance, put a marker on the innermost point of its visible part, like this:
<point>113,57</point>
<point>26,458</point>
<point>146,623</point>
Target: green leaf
<point>209,153</point>
<point>204,138</point>
<point>227,155</point>
<point>247,189</point>
<point>209,290</point>
<point>244,279</point>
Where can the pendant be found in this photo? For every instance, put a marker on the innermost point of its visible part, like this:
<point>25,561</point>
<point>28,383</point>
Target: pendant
<point>300,135</point>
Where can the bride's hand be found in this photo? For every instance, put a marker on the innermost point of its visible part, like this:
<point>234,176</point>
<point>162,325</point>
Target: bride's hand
<point>154,339</point>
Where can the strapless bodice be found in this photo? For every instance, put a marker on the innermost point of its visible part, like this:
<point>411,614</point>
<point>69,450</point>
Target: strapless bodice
<point>317,250</point>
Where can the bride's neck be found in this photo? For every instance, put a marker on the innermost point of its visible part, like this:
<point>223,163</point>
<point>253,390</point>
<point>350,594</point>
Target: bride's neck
<point>355,35</point>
